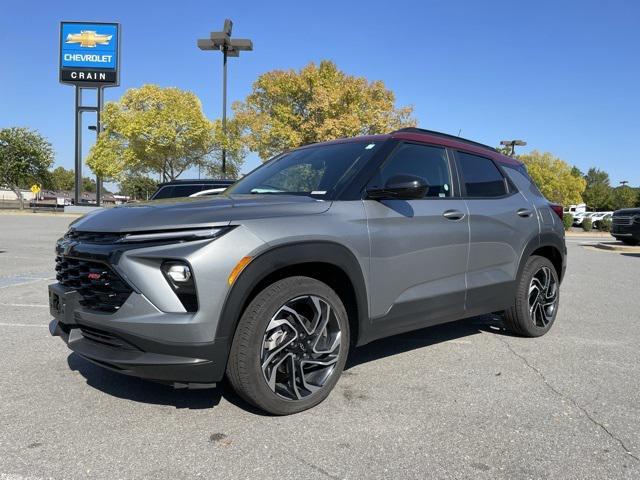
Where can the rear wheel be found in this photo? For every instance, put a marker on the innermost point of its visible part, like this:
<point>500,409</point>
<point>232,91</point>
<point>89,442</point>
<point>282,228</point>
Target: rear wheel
<point>290,346</point>
<point>537,298</point>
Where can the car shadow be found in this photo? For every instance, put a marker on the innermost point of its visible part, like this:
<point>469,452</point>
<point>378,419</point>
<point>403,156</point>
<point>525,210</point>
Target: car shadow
<point>628,254</point>
<point>426,337</point>
<point>144,391</point>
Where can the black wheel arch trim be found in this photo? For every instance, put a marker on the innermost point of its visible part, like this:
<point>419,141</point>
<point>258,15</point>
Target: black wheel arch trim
<point>290,255</point>
<point>540,241</point>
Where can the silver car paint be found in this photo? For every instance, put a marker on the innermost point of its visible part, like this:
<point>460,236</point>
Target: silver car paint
<point>406,249</point>
<point>417,254</point>
<point>193,212</point>
<point>498,238</point>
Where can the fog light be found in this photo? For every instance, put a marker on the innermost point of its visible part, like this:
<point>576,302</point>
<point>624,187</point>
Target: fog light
<point>179,273</point>
<point>180,278</point>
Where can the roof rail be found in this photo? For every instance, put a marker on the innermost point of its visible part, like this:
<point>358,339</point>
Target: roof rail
<point>444,135</point>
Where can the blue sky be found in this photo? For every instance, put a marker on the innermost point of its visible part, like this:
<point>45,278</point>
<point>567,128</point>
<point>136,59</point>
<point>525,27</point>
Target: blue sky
<point>563,75</point>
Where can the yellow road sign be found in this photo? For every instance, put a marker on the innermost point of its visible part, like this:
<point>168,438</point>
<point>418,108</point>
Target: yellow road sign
<point>35,188</point>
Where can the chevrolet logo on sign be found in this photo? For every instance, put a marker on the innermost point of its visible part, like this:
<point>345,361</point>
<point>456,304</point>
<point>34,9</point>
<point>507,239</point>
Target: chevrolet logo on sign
<point>88,38</point>
<point>89,53</point>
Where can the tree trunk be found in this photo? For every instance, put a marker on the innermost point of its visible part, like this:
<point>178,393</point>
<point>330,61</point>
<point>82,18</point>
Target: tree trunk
<point>18,193</point>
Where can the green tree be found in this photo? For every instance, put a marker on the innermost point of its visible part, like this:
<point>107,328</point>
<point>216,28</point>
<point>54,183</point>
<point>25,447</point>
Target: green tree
<point>25,157</point>
<point>554,177</point>
<point>138,187</point>
<point>62,179</point>
<point>623,197</point>
<point>597,194</point>
<point>576,172</point>
<point>151,129</point>
<point>89,185</point>
<point>290,108</point>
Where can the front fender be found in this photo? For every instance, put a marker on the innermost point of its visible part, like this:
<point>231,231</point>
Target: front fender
<point>289,255</point>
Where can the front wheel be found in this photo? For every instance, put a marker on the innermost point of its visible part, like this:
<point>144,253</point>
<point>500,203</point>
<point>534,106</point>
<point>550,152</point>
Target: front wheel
<point>537,299</point>
<point>290,346</point>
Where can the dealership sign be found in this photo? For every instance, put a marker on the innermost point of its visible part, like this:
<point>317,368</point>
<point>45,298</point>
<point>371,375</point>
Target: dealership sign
<point>89,54</point>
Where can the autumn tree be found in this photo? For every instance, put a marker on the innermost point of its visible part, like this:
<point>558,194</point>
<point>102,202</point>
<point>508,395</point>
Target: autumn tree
<point>289,108</point>
<point>597,194</point>
<point>554,177</point>
<point>152,129</point>
<point>235,146</point>
<point>25,157</point>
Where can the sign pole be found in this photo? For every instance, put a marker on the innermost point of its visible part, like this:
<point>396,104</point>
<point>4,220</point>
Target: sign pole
<point>98,130</point>
<point>78,150</point>
<point>224,109</point>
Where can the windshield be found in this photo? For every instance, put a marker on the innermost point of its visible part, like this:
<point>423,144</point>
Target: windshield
<point>317,171</point>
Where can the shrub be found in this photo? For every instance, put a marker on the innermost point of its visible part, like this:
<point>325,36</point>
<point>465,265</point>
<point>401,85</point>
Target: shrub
<point>587,224</point>
<point>567,220</point>
<point>605,225</point>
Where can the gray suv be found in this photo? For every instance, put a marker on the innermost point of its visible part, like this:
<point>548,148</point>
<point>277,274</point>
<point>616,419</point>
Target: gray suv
<point>321,249</point>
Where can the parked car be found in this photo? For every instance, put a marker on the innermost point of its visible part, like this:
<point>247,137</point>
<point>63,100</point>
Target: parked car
<point>186,188</point>
<point>579,217</point>
<point>596,218</point>
<point>625,225</point>
<point>322,249</point>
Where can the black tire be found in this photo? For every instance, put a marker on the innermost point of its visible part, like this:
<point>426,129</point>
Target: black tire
<point>250,345</point>
<point>519,318</point>
<point>630,241</point>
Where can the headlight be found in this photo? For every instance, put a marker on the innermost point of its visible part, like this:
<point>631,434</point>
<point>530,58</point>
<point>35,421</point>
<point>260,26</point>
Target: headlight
<point>180,277</point>
<point>185,235</point>
<point>636,219</point>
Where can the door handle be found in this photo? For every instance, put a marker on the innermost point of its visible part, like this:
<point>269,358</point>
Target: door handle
<point>524,212</point>
<point>453,215</point>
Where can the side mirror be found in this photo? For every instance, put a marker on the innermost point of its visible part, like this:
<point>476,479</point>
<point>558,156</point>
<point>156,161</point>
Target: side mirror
<point>400,187</point>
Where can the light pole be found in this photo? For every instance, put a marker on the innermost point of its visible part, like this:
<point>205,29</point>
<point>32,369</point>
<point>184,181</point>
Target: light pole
<point>230,48</point>
<point>512,144</point>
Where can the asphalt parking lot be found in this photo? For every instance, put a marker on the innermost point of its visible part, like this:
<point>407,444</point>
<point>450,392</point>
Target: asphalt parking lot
<point>462,400</point>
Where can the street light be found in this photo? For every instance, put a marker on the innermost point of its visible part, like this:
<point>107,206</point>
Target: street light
<point>512,144</point>
<point>230,47</point>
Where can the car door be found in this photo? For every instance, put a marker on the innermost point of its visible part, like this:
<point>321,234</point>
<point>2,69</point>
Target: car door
<point>419,248</point>
<point>501,222</point>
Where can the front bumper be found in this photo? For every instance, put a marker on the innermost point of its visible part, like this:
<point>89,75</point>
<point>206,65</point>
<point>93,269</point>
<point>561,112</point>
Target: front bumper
<point>626,231</point>
<point>184,364</point>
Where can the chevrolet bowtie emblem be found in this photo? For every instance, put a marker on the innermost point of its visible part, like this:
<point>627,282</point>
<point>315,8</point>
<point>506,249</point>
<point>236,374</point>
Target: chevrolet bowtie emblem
<point>88,38</point>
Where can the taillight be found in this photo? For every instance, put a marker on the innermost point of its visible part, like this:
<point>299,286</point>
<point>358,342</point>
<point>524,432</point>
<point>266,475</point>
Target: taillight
<point>558,209</point>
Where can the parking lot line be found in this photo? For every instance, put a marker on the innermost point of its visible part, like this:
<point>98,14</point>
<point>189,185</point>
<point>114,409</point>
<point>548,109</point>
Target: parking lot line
<point>24,279</point>
<point>3,324</point>
<point>27,305</point>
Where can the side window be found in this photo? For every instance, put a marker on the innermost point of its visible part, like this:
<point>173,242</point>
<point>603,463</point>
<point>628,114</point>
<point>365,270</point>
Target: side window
<point>481,177</point>
<point>164,192</point>
<point>423,161</point>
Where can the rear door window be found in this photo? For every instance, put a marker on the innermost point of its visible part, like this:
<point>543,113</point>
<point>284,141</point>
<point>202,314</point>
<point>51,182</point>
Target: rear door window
<point>480,176</point>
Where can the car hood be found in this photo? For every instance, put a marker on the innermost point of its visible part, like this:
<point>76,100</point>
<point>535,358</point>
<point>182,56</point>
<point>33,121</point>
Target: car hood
<point>627,211</point>
<point>195,212</point>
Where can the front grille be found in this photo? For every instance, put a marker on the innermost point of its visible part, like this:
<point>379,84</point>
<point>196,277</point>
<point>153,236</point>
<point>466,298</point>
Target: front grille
<point>104,338</point>
<point>92,237</point>
<point>100,287</point>
<point>622,220</point>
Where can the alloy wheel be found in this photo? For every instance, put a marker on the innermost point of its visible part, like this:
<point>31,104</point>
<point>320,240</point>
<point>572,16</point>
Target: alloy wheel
<point>543,297</point>
<point>300,347</point>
